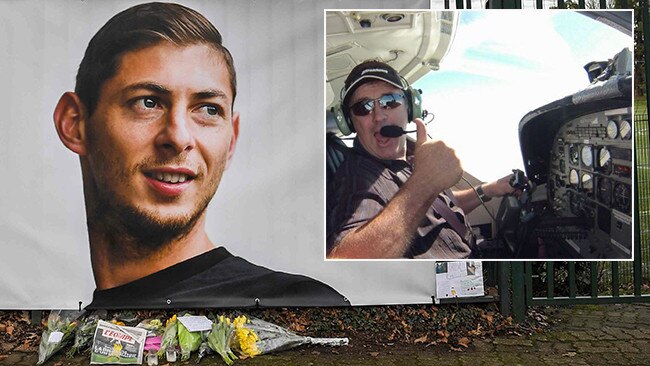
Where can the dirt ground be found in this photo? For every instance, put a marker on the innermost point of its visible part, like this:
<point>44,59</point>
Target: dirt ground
<point>613,334</point>
<point>390,331</point>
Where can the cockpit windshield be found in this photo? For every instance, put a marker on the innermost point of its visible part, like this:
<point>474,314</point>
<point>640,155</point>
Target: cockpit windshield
<point>502,66</point>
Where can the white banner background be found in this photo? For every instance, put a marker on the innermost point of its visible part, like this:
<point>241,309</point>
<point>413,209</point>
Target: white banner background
<point>269,208</point>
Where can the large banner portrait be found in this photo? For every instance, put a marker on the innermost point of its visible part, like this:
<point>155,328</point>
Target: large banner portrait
<point>170,155</point>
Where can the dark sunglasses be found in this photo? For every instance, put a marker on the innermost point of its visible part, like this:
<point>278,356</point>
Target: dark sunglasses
<point>386,101</point>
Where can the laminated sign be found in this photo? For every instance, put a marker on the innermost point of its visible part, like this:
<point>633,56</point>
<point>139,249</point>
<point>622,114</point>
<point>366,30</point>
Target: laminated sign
<point>459,279</point>
<point>114,344</point>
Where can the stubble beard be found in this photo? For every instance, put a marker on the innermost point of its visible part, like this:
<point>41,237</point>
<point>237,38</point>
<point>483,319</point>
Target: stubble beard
<point>133,232</point>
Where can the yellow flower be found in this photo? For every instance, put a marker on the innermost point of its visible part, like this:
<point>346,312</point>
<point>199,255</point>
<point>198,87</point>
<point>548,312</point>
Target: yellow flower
<point>245,338</point>
<point>240,321</point>
<point>170,320</point>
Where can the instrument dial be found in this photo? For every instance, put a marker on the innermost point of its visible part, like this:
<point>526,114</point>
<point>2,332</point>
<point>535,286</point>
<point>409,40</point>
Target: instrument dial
<point>573,178</point>
<point>622,197</point>
<point>625,129</point>
<point>604,160</point>
<point>587,155</point>
<point>588,183</point>
<point>604,157</point>
<point>612,129</point>
<point>574,154</point>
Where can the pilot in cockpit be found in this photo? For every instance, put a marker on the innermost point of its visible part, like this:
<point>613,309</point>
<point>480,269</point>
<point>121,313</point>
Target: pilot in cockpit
<point>383,203</point>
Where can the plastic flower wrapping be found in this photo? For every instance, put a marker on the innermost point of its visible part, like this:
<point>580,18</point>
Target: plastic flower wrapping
<point>83,337</point>
<point>244,337</point>
<point>219,339</point>
<point>61,326</point>
<point>154,327</point>
<point>169,338</point>
<point>188,341</point>
<point>255,336</point>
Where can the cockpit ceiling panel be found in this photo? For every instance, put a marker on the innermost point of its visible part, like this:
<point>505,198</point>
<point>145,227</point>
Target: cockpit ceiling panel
<point>413,43</point>
<point>348,22</point>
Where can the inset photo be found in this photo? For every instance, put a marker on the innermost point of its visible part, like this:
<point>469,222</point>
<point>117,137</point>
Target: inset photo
<point>489,135</point>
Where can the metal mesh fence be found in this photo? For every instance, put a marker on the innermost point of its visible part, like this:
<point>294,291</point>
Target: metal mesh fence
<point>642,147</point>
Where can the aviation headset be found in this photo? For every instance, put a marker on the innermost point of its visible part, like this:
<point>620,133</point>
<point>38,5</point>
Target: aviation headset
<point>369,71</point>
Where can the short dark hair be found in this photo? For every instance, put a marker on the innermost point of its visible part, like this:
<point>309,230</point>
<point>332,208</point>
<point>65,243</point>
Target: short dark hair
<point>139,27</point>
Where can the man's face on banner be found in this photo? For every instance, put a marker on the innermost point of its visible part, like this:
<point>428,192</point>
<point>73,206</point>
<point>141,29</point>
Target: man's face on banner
<point>162,134</point>
<point>368,126</point>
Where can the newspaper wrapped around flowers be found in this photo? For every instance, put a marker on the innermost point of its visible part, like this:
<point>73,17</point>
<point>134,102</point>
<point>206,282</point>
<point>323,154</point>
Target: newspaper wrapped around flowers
<point>83,337</point>
<point>61,325</point>
<point>252,337</point>
<point>115,344</point>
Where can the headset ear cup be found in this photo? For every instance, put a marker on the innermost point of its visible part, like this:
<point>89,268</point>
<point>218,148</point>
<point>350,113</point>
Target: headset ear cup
<point>342,121</point>
<point>415,103</point>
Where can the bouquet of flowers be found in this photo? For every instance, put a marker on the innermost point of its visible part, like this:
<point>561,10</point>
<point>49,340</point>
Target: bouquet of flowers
<point>85,332</point>
<point>154,327</point>
<point>253,337</point>
<point>189,341</point>
<point>244,339</point>
<point>169,339</point>
<point>219,339</point>
<point>61,325</point>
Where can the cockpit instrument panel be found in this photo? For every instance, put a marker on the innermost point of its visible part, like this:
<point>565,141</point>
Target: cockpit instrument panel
<point>590,178</point>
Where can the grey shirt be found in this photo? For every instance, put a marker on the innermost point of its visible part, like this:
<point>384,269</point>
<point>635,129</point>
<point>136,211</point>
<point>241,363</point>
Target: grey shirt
<point>363,185</point>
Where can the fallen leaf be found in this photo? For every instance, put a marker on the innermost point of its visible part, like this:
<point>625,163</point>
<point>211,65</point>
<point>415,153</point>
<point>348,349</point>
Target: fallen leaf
<point>315,353</point>
<point>23,347</point>
<point>58,363</point>
<point>476,331</point>
<point>456,349</point>
<point>24,316</point>
<point>569,354</point>
<point>374,354</point>
<point>464,342</point>
<point>421,339</point>
<point>9,329</point>
<point>299,328</point>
